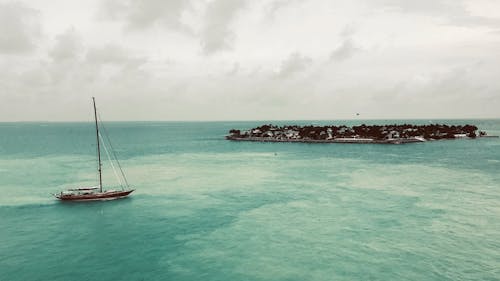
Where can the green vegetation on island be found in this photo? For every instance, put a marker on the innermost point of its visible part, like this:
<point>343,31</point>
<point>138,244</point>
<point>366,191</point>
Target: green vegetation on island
<point>404,133</point>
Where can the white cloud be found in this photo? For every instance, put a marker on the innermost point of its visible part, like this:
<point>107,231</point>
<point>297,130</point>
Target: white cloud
<point>19,28</point>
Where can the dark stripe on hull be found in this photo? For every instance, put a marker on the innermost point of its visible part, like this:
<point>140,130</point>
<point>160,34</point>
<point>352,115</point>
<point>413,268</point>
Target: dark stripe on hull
<point>96,197</point>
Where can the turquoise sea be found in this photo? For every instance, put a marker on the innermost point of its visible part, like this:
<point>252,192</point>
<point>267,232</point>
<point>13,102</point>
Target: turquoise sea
<point>210,209</point>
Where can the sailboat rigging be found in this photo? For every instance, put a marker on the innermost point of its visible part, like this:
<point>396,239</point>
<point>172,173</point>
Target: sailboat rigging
<point>97,193</point>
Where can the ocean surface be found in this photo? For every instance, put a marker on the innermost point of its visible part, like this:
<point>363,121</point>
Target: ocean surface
<point>210,209</point>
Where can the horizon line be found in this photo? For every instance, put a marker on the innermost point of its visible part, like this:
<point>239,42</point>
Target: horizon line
<point>253,120</point>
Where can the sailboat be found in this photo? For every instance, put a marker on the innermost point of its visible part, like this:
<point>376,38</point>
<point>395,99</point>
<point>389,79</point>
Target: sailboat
<point>97,193</point>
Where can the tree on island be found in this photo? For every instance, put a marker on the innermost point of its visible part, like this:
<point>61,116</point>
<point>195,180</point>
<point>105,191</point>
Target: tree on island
<point>375,132</point>
<point>235,133</point>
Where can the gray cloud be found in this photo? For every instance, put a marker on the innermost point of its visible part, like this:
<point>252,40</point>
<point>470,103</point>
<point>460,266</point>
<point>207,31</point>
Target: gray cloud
<point>294,64</point>
<point>216,34</point>
<point>456,84</point>
<point>423,6</point>
<point>143,14</point>
<point>347,48</point>
<point>274,6</point>
<point>120,71</point>
<point>72,75</point>
<point>450,12</point>
<point>113,54</point>
<point>472,21</point>
<point>224,59</point>
<point>19,28</point>
<point>68,46</point>
<point>453,92</point>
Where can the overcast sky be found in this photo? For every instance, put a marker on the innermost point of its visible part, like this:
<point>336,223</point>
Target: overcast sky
<point>249,59</point>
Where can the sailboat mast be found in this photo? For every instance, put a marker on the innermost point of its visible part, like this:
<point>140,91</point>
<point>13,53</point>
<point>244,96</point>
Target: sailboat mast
<point>98,147</point>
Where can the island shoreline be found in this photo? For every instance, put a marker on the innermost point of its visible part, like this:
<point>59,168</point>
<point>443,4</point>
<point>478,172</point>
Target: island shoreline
<point>363,134</point>
<point>339,140</point>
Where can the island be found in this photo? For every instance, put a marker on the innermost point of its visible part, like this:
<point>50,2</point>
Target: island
<point>383,134</point>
